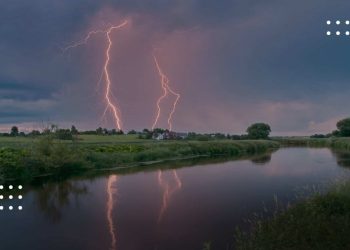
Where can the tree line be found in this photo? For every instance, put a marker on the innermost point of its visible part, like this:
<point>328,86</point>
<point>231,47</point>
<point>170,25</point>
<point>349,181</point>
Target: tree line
<point>343,130</point>
<point>255,131</point>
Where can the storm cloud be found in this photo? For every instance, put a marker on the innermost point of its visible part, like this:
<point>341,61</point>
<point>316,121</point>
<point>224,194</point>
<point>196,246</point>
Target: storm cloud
<point>234,62</point>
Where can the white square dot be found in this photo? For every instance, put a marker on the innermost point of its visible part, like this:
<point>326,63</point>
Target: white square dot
<point>1,207</point>
<point>329,33</point>
<point>1,197</point>
<point>329,22</point>
<point>20,207</point>
<point>10,207</point>
<point>347,22</point>
<point>1,187</point>
<point>20,197</point>
<point>10,187</point>
<point>20,187</point>
<point>337,22</point>
<point>338,33</point>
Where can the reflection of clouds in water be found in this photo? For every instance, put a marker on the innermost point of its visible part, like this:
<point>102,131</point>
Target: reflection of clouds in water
<point>298,163</point>
<point>111,190</point>
<point>168,191</point>
<point>53,197</point>
<point>292,169</point>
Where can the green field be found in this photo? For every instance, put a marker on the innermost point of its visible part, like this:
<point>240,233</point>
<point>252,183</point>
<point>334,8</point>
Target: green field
<point>24,141</point>
<point>27,158</point>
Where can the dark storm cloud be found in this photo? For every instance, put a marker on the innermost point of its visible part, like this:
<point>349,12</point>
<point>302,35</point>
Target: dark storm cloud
<point>28,91</point>
<point>263,58</point>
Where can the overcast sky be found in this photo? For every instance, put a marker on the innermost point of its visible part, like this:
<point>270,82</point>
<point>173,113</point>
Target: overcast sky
<point>233,62</point>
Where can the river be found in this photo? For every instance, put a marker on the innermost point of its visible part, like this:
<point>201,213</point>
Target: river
<point>180,208</point>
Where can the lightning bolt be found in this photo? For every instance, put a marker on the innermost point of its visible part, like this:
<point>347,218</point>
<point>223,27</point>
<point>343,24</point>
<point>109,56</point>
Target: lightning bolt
<point>167,191</point>
<point>110,204</point>
<point>105,73</point>
<point>83,41</point>
<point>164,81</point>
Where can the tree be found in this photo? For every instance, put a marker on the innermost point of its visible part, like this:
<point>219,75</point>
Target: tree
<point>99,131</point>
<point>14,131</point>
<point>335,133</point>
<point>34,133</point>
<point>64,134</point>
<point>258,131</point>
<point>145,131</point>
<point>120,132</point>
<point>132,132</point>
<point>74,130</point>
<point>158,131</point>
<point>344,127</point>
<point>220,136</point>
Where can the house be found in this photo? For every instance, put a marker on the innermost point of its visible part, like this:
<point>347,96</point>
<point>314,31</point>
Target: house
<point>168,135</point>
<point>158,136</point>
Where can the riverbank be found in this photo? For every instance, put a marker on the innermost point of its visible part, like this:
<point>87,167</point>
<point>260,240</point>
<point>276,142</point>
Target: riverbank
<point>25,160</point>
<point>340,143</point>
<point>322,221</point>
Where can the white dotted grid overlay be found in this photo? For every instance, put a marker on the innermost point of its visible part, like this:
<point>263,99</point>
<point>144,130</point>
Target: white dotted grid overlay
<point>338,28</point>
<point>10,197</point>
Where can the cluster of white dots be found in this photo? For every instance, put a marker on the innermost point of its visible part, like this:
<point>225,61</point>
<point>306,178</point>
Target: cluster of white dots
<point>338,32</point>
<point>20,197</point>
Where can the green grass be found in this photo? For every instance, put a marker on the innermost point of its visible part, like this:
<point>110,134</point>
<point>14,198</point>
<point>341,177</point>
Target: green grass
<point>27,158</point>
<point>333,142</point>
<point>110,139</point>
<point>321,222</point>
<point>4,140</point>
<point>15,141</point>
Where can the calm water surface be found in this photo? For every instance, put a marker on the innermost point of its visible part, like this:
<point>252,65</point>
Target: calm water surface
<point>170,209</point>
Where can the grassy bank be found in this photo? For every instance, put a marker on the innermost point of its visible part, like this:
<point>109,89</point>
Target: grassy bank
<point>321,222</point>
<point>334,142</point>
<point>28,158</point>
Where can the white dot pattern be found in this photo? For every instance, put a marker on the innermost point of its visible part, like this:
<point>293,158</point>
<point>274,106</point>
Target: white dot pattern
<point>11,197</point>
<point>340,27</point>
